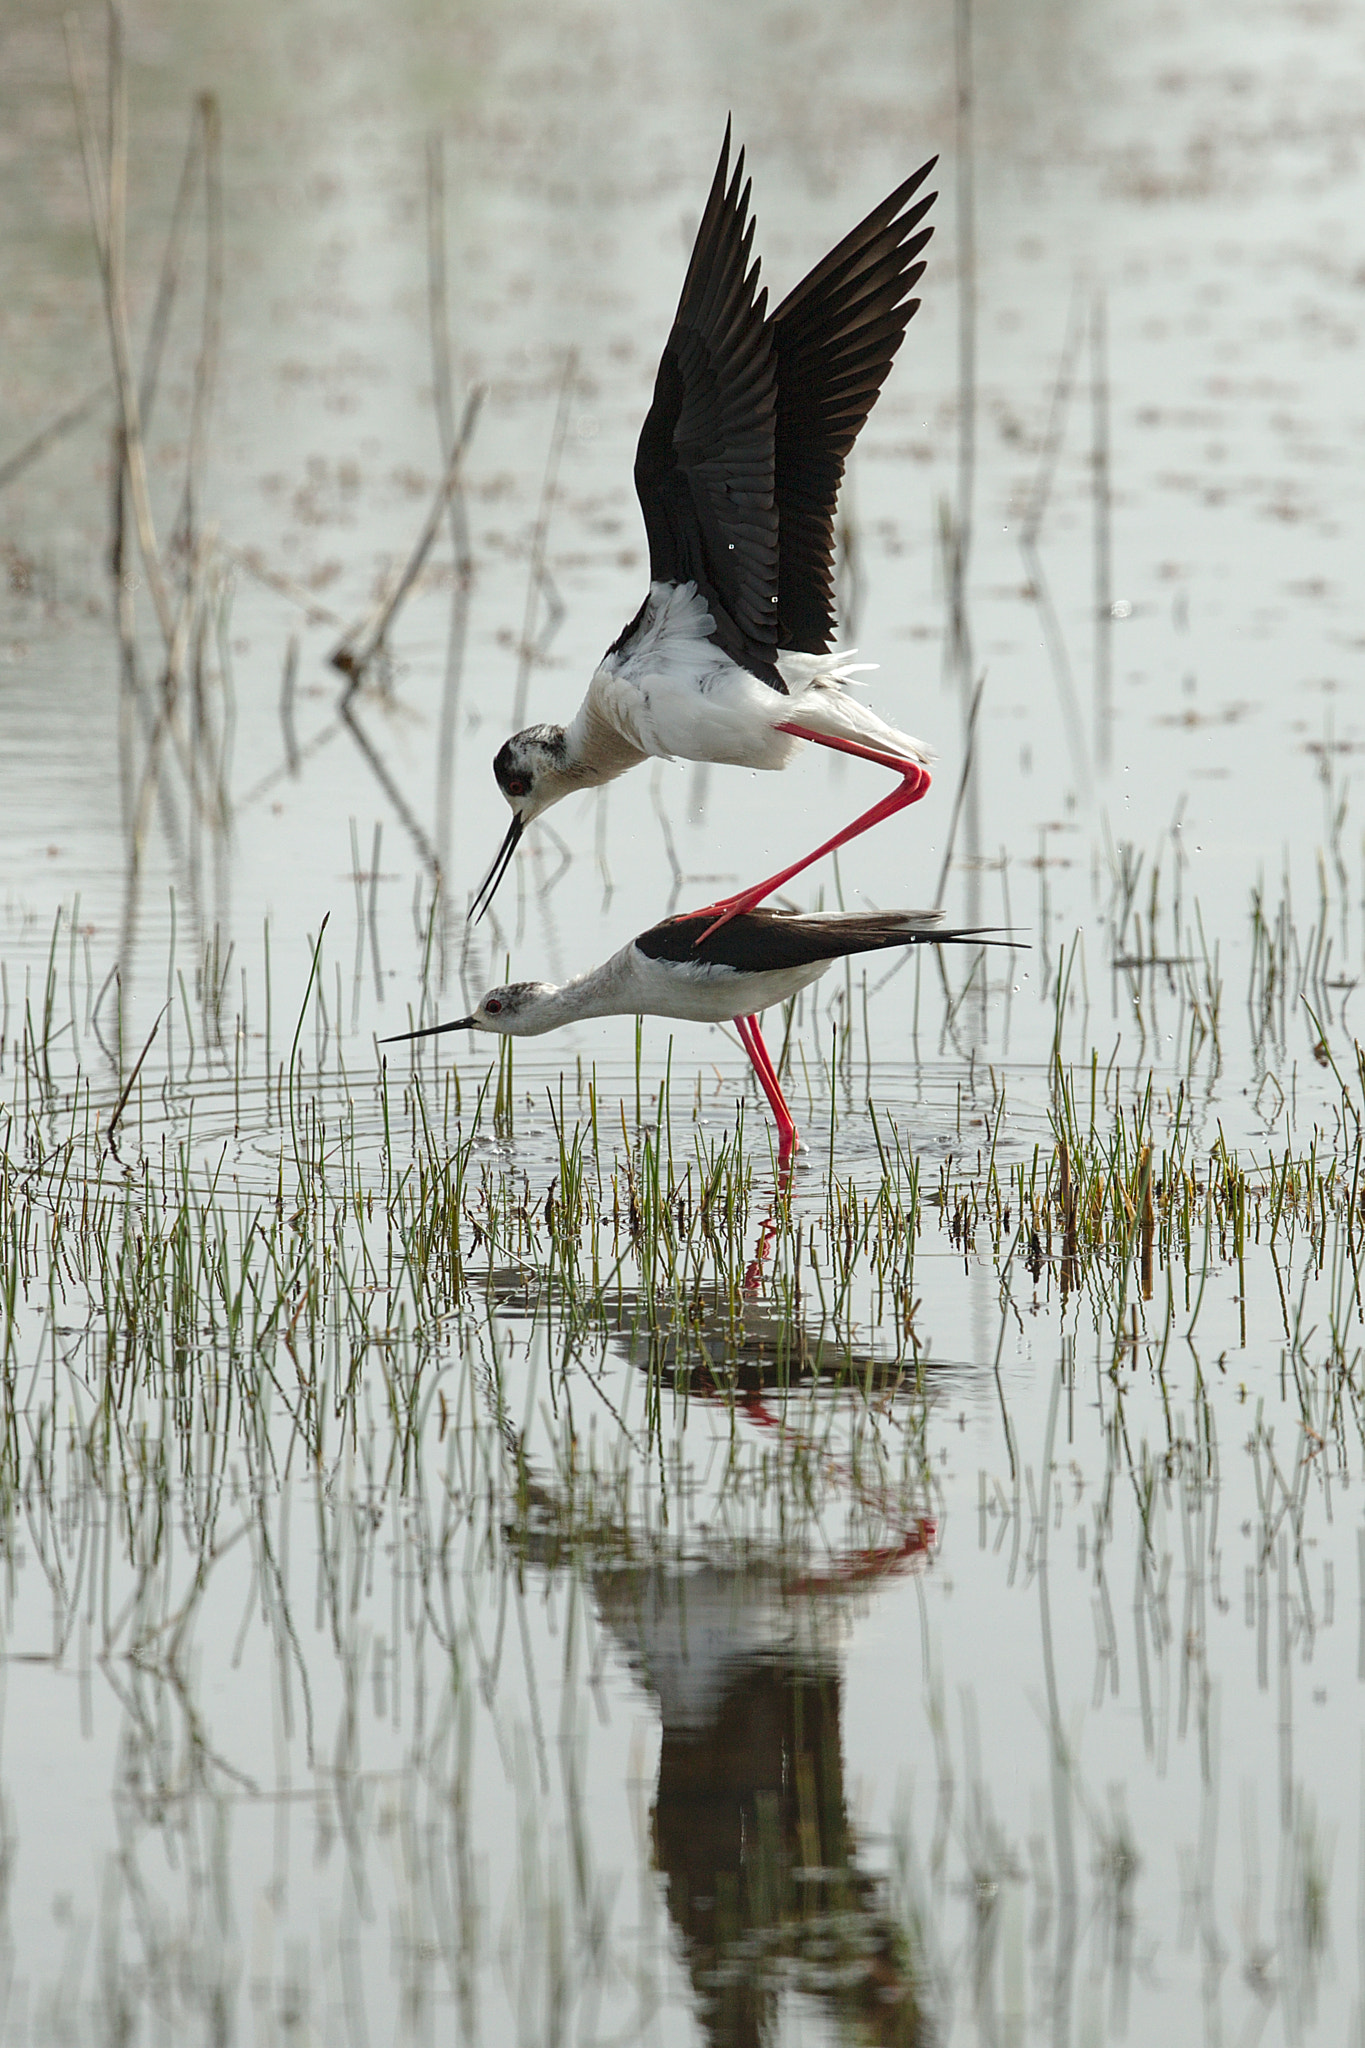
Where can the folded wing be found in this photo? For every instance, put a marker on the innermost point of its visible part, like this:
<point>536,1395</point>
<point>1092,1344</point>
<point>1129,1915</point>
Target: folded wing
<point>765,941</point>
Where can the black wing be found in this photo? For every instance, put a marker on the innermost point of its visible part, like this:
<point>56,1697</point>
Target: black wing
<point>835,337</point>
<point>761,941</point>
<point>704,464</point>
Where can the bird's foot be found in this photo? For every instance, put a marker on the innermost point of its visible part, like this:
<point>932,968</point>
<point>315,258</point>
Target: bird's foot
<point>728,908</point>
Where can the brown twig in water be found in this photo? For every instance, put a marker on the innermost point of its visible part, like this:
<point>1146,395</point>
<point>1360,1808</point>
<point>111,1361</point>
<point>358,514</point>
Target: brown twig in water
<point>227,731</point>
<point>359,647</point>
<point>169,279</point>
<point>1054,433</point>
<point>206,361</point>
<point>274,776</point>
<point>537,578</point>
<point>122,1102</point>
<point>108,212</point>
<point>124,581</point>
<point>167,718</point>
<point>39,443</point>
<point>287,682</point>
<point>1034,515</point>
<point>385,780</point>
<point>963,782</point>
<point>319,614</point>
<point>439,307</point>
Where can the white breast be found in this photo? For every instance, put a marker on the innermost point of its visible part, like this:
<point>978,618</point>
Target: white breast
<point>673,692</point>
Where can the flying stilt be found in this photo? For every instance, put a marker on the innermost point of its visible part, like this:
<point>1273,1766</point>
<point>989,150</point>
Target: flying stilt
<point>737,471</point>
<point>680,968</point>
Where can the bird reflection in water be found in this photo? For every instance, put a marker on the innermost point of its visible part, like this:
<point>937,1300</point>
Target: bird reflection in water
<point>740,1652</point>
<point>750,1829</point>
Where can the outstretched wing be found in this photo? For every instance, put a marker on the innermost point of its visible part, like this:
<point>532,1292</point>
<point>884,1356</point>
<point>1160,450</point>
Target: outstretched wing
<point>704,464</point>
<point>835,337</point>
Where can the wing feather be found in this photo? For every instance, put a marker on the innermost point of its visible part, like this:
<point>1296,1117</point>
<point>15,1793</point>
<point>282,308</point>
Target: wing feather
<point>704,463</point>
<point>742,452</point>
<point>835,337</point>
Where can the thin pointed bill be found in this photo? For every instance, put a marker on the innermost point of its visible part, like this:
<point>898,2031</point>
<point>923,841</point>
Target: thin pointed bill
<point>488,888</point>
<point>432,1031</point>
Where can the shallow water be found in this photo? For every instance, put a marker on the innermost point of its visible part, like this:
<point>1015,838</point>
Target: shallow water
<point>599,1628</point>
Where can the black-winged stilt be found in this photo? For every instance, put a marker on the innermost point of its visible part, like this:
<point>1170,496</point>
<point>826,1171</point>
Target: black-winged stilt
<point>682,968</point>
<point>737,471</point>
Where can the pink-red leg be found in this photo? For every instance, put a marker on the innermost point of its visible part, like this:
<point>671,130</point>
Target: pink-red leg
<point>752,1040</point>
<point>914,782</point>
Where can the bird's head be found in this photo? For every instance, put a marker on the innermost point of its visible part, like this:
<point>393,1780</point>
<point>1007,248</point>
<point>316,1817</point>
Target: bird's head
<point>521,1010</point>
<point>532,771</point>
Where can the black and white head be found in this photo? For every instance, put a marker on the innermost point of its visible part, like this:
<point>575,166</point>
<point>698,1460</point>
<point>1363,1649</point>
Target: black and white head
<point>521,1010</point>
<point>532,772</point>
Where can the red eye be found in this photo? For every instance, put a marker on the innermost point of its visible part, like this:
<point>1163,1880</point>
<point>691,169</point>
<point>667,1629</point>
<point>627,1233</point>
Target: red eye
<point>492,1006</point>
<point>518,785</point>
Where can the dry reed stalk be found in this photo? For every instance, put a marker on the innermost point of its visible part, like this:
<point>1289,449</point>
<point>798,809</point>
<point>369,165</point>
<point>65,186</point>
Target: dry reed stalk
<point>38,444</point>
<point>167,717</point>
<point>358,648</point>
<point>443,386</point>
<point>108,208</point>
<point>125,598</point>
<point>959,559</point>
<point>318,613</point>
<point>206,361</point>
<point>1103,565</point>
<point>169,278</point>
<point>537,578</point>
<point>963,785</point>
<point>287,683</point>
<point>122,1102</point>
<point>1038,500</point>
<point>386,782</point>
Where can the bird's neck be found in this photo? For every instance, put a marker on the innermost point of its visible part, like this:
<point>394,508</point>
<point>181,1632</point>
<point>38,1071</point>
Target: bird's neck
<point>600,744</point>
<point>605,991</point>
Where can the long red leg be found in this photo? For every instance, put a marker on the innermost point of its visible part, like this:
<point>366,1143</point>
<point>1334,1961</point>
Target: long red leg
<point>914,782</point>
<point>752,1039</point>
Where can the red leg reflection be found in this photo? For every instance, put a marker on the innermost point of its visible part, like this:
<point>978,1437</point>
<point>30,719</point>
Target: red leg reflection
<point>914,782</point>
<point>753,1272</point>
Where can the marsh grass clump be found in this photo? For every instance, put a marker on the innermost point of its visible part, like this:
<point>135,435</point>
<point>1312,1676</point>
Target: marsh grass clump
<point>397,1209</point>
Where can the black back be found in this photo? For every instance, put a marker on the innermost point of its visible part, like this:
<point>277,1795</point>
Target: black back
<point>763,941</point>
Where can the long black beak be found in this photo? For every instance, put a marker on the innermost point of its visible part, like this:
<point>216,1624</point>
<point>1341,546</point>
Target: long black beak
<point>488,888</point>
<point>432,1031</point>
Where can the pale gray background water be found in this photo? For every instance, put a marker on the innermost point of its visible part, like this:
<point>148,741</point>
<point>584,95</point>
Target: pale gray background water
<point>1199,166</point>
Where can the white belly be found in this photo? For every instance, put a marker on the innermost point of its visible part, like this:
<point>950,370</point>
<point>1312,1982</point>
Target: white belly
<point>713,995</point>
<point>717,713</point>
<point>672,692</point>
